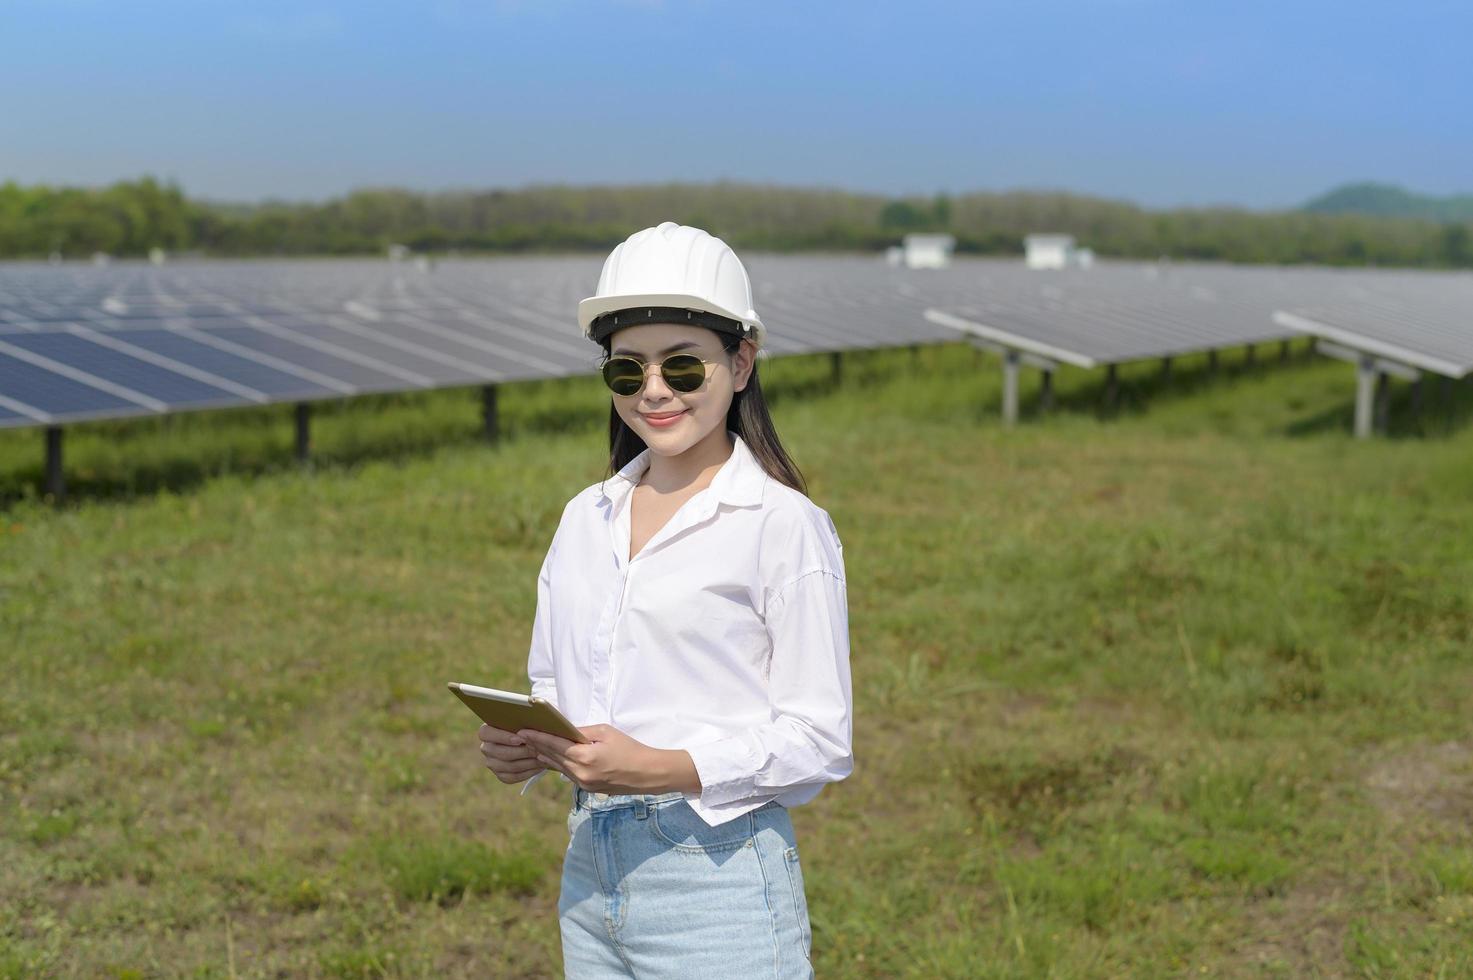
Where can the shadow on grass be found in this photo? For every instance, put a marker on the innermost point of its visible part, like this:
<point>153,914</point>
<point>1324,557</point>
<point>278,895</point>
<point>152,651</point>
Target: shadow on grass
<point>1143,384</point>
<point>179,452</point>
<point>1443,408</point>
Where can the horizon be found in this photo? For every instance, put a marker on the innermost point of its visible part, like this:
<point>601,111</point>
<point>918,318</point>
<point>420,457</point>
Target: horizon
<point>1159,104</point>
<point>766,185</point>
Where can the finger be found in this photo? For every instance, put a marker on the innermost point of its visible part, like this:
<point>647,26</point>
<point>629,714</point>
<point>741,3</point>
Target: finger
<point>563,757</point>
<point>497,762</point>
<point>506,753</point>
<point>516,777</point>
<point>551,759</point>
<point>567,767</point>
<point>556,765</point>
<point>507,768</point>
<point>546,741</point>
<point>490,733</point>
<point>516,771</point>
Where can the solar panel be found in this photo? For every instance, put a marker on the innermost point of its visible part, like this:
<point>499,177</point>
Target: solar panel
<point>278,384</point>
<point>360,372</point>
<point>80,342</point>
<point>1420,320</point>
<point>1110,314</point>
<point>173,389</point>
<point>58,397</point>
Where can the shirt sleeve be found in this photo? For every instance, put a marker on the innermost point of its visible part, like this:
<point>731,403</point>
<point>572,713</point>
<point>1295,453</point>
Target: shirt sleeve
<point>539,656</point>
<point>808,740</point>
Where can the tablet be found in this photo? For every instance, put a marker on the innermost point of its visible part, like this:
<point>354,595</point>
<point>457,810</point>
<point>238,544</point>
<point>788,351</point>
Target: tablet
<point>510,711</point>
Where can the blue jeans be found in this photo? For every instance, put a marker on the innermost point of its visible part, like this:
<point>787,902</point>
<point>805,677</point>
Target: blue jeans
<point>650,890</point>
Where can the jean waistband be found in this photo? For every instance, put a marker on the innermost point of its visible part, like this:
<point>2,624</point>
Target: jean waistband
<point>584,800</point>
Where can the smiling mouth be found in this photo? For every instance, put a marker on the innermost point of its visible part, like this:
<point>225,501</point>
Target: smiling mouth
<point>663,418</point>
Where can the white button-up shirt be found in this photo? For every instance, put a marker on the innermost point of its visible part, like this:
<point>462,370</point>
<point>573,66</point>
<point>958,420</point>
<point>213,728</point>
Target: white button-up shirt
<point>726,636</point>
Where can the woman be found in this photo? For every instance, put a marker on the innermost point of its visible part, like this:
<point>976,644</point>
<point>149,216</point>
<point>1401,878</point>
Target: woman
<point>692,620</point>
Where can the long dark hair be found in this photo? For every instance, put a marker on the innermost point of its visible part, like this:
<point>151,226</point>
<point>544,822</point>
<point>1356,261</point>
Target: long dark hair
<point>747,417</point>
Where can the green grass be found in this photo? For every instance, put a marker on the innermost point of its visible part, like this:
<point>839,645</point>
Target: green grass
<point>1179,691</point>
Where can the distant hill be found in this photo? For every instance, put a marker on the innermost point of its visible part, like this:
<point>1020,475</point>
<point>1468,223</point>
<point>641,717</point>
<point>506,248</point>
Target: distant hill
<point>131,217</point>
<point>1389,201</point>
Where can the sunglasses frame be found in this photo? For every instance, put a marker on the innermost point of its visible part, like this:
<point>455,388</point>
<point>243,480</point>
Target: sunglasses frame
<point>644,374</point>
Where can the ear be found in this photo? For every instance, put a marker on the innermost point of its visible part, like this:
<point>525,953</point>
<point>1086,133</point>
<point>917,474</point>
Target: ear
<point>741,366</point>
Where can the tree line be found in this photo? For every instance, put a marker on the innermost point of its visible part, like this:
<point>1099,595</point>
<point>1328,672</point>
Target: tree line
<point>129,218</point>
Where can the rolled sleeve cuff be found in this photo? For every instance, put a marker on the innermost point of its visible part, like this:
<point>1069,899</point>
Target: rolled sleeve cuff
<point>727,768</point>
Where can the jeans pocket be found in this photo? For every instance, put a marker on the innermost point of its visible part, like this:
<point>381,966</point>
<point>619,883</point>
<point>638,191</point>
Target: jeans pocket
<point>679,826</point>
<point>800,900</point>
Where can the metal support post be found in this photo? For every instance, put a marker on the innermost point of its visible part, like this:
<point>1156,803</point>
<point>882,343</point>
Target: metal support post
<point>1248,356</point>
<point>1112,386</point>
<point>836,368</point>
<point>55,482</point>
<point>304,431</point>
<point>490,423</point>
<point>1010,388</point>
<point>1383,401</point>
<point>1283,350</point>
<point>1365,393</point>
<point>1165,370</point>
<point>1046,392</point>
<point>1212,362</point>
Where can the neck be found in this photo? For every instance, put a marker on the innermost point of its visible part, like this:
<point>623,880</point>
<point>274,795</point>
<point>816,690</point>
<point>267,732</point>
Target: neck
<point>694,467</point>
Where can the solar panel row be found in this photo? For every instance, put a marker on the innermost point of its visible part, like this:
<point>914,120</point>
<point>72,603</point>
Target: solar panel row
<point>129,339</point>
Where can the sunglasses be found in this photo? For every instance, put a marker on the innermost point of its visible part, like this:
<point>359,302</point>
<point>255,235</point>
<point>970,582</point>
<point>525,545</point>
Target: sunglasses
<point>682,372</point>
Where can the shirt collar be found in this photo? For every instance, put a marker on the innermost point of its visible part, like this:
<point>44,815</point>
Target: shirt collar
<point>738,482</point>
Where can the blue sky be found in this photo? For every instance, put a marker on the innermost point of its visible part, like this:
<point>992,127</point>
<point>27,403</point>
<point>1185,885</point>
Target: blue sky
<point>1165,103</point>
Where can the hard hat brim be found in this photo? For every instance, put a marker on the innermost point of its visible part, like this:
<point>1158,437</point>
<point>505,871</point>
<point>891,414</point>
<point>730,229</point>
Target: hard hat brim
<point>596,306</point>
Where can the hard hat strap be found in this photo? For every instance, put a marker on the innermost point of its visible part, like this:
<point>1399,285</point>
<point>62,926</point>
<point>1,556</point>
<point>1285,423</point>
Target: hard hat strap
<point>607,323</point>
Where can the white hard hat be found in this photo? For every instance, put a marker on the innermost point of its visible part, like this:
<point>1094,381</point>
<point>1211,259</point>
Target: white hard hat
<point>672,273</point>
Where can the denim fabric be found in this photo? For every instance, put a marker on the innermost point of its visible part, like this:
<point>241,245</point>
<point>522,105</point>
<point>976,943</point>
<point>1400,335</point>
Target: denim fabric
<point>650,890</point>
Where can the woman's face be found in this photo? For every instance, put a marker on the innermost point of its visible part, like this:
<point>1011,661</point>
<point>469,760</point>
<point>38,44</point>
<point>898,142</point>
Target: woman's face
<point>670,421</point>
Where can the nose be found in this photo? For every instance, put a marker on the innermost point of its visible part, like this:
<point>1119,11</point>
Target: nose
<point>655,388</point>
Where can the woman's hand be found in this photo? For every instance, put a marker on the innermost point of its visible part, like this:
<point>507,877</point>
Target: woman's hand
<point>612,762</point>
<point>507,755</point>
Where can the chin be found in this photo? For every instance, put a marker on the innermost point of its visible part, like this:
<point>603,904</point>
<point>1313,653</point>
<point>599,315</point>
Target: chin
<point>668,443</point>
<point>671,442</point>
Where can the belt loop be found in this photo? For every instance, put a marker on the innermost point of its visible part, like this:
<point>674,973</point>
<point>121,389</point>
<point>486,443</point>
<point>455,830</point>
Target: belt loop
<point>641,808</point>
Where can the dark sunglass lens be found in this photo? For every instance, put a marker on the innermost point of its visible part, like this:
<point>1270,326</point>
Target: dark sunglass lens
<point>683,372</point>
<point>623,375</point>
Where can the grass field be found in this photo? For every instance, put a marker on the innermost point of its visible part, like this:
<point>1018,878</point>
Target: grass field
<point>1182,692</point>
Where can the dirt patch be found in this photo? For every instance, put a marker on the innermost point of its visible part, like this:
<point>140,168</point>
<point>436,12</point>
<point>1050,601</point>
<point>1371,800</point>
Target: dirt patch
<point>1300,933</point>
<point>1429,786</point>
<point>1020,704</point>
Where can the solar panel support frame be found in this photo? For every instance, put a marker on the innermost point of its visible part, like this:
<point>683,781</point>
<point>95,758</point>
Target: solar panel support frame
<point>55,477</point>
<point>303,419</point>
<point>1010,388</point>
<point>1348,354</point>
<point>1002,339</point>
<point>490,423</point>
<point>1012,358</point>
<point>1365,395</point>
<point>1370,345</point>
